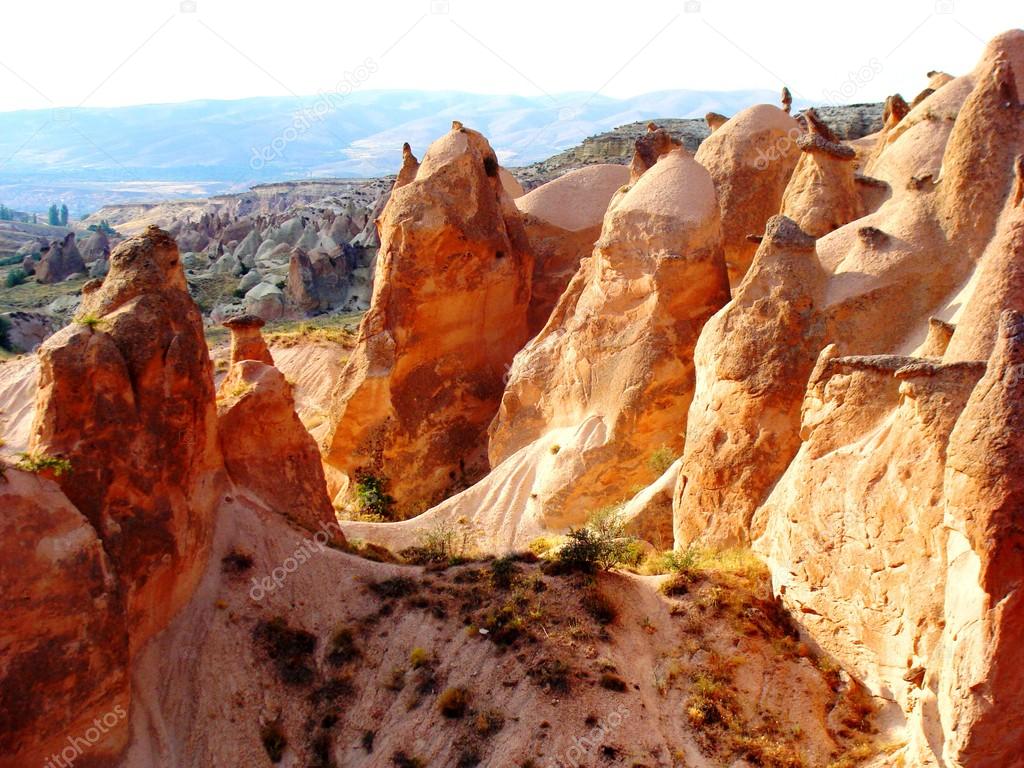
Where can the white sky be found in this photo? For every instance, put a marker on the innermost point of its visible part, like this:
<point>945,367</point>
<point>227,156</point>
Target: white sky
<point>118,52</point>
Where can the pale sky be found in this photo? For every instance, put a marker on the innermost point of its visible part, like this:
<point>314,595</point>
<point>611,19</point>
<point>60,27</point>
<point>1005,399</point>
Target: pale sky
<point>119,52</point>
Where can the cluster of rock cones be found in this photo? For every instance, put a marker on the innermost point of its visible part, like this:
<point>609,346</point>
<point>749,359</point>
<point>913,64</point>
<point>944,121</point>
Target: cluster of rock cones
<point>826,337</point>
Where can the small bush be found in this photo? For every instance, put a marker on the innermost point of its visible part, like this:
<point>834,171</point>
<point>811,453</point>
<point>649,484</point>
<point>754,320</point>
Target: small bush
<point>91,321</point>
<point>41,462</point>
<point>661,460</point>
<point>290,649</point>
<point>402,760</point>
<point>444,543</point>
<point>16,277</point>
<point>489,723</point>
<point>453,702</point>
<point>550,673</point>
<point>274,741</point>
<point>599,607</point>
<point>343,647</point>
<point>503,572</point>
<point>419,657</point>
<point>367,740</point>
<point>603,543</point>
<point>5,330</point>
<point>395,587</point>
<point>236,562</point>
<point>613,682</point>
<point>372,495</point>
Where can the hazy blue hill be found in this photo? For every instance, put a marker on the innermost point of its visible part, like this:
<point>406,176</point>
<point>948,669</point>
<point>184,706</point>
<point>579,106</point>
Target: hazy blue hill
<point>215,142</point>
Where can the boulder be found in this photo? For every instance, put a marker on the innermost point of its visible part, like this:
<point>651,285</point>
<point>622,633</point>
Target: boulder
<point>449,310</point>
<point>648,149</point>
<point>27,330</point>
<point>317,281</point>
<point>60,261</point>
<point>96,247</point>
<point>265,300</point>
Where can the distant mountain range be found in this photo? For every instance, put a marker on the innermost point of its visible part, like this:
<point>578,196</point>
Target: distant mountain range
<point>88,157</point>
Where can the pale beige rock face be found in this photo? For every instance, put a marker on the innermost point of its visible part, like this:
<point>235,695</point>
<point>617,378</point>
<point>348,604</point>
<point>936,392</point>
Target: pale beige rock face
<point>854,528</point>
<point>751,158</point>
<point>127,398</point>
<point>563,220</point>
<point>610,376</point>
<point>449,311</point>
<point>64,642</point>
<point>981,674</point>
<point>753,360</point>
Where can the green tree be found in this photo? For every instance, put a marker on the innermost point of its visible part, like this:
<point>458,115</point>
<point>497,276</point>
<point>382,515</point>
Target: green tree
<point>53,216</point>
<point>63,215</point>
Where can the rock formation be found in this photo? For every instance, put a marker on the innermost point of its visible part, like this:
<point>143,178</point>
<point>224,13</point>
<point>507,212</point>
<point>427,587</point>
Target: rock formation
<point>449,310</point>
<point>60,261</point>
<point>753,360</point>
<point>563,220</point>
<point>65,640</point>
<point>126,396</point>
<point>980,678</point>
<point>267,451</point>
<point>822,194</point>
<point>648,149</point>
<point>609,378</point>
<point>318,282</point>
<point>246,340</point>
<point>750,158</point>
<point>410,165</point>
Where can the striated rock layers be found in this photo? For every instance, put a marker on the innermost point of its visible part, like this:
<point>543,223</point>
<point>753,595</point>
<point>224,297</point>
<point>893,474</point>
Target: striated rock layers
<point>750,158</point>
<point>266,449</point>
<point>608,378</point>
<point>449,311</point>
<point>126,396</point>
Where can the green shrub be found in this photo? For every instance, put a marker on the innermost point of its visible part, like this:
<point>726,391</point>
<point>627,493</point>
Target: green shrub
<point>16,277</point>
<point>372,495</point>
<point>41,462</point>
<point>444,543</point>
<point>603,543</point>
<point>419,657</point>
<point>661,460</point>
